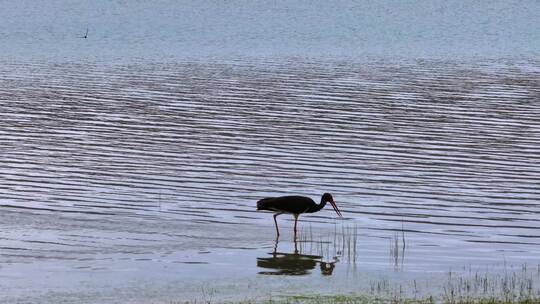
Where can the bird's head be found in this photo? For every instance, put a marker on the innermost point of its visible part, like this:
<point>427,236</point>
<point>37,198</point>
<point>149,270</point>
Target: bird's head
<point>327,197</point>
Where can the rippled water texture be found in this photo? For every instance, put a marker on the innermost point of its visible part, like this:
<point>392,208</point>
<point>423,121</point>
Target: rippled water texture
<point>118,175</point>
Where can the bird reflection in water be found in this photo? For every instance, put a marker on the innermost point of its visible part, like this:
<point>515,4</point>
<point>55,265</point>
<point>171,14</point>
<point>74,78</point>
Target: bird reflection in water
<point>294,264</point>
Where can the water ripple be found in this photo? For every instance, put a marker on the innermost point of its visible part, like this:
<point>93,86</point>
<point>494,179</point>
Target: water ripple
<point>431,145</point>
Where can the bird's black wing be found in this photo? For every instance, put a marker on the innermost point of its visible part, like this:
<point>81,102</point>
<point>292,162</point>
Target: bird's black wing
<point>290,204</point>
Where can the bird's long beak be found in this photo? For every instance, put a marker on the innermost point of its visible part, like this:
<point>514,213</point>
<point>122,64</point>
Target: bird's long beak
<point>336,208</point>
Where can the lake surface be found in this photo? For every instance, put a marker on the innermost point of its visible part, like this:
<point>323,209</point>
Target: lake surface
<point>167,30</point>
<point>138,182</point>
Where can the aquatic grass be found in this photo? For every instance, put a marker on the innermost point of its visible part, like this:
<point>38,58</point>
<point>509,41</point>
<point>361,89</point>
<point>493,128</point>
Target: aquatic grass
<point>351,299</point>
<point>515,287</point>
<point>360,299</point>
<point>475,288</point>
<point>340,244</point>
<point>397,249</point>
<point>346,299</point>
<point>520,286</point>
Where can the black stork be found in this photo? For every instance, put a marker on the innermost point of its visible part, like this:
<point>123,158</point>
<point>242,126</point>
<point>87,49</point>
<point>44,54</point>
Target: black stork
<point>294,205</point>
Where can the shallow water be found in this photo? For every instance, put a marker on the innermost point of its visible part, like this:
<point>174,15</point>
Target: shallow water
<point>143,178</point>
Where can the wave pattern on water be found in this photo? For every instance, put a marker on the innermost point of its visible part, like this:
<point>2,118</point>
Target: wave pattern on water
<point>438,147</point>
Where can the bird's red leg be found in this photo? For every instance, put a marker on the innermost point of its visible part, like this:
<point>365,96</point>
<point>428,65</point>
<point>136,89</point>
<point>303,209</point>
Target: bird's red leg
<point>275,221</point>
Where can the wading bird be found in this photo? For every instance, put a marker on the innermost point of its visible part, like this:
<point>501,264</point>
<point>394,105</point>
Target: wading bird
<point>294,205</point>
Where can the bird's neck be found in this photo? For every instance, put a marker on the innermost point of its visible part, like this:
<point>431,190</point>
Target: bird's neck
<point>320,205</point>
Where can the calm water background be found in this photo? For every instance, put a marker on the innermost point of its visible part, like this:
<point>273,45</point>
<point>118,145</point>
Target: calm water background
<point>131,162</point>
